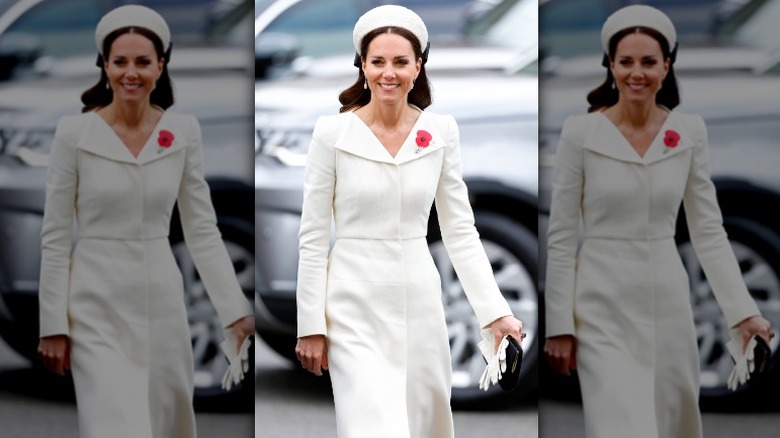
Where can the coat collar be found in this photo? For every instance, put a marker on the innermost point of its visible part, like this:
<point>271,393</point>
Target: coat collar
<point>358,139</point>
<point>100,139</point>
<point>607,140</point>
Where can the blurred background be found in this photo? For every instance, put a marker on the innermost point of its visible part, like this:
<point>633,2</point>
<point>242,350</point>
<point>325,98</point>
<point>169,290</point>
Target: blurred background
<point>47,54</point>
<point>727,68</point>
<point>483,68</point>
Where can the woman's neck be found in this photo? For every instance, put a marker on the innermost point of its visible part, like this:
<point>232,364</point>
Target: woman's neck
<point>131,116</point>
<point>635,115</point>
<point>386,115</point>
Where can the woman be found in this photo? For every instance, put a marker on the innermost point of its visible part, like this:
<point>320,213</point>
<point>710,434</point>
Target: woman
<point>113,309</point>
<point>372,312</point>
<point>619,311</point>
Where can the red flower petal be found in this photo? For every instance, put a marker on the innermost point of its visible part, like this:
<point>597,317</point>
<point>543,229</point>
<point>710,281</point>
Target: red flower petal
<point>423,138</point>
<point>671,138</point>
<point>165,138</point>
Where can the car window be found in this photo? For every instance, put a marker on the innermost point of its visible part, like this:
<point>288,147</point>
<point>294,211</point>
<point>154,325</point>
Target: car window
<point>572,27</point>
<point>319,25</point>
<point>512,23</point>
<point>261,5</point>
<point>59,30</point>
<point>754,25</point>
<point>234,27</point>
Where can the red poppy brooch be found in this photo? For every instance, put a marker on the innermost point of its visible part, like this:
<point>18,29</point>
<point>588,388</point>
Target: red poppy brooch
<point>671,139</point>
<point>423,140</point>
<point>165,140</point>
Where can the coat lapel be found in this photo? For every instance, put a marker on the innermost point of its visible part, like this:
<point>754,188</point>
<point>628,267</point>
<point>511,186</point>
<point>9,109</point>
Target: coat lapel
<point>411,150</point>
<point>660,150</point>
<point>358,139</point>
<point>607,140</point>
<point>101,140</point>
<point>154,150</point>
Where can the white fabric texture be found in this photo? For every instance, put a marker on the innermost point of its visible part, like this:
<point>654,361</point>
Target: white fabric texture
<point>495,365</point>
<point>638,15</point>
<point>132,15</point>
<point>624,294</point>
<point>119,294</point>
<point>389,15</point>
<point>744,360</point>
<point>377,297</point>
<point>237,358</point>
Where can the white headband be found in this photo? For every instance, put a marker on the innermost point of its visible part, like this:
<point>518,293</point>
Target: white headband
<point>132,15</point>
<point>638,15</point>
<point>390,15</point>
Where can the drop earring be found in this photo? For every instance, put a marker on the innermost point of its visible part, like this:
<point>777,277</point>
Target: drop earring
<point>613,85</point>
<point>108,87</point>
<point>365,84</point>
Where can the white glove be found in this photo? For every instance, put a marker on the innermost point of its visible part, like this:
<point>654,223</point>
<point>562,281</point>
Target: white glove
<point>496,363</point>
<point>239,362</point>
<point>743,363</point>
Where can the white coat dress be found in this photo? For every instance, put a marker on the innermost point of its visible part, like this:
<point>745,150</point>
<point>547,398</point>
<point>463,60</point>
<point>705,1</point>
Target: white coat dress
<point>378,297</point>
<point>625,295</point>
<point>118,295</point>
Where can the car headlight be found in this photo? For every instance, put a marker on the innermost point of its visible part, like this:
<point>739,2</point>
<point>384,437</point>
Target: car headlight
<point>287,146</point>
<point>29,145</point>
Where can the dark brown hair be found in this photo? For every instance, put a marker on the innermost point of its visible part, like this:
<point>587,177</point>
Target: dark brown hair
<point>605,96</point>
<point>99,95</point>
<point>356,96</point>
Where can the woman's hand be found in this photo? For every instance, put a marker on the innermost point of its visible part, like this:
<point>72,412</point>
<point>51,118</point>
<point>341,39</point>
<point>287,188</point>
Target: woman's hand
<point>243,328</point>
<point>506,325</point>
<point>312,351</point>
<point>755,325</point>
<point>54,352</point>
<point>561,352</point>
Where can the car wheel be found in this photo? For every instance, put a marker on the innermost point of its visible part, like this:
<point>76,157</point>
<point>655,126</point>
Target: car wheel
<point>513,254</point>
<point>757,249</point>
<point>205,327</point>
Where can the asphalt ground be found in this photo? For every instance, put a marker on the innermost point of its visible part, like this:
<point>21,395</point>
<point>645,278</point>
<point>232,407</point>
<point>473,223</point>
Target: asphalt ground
<point>35,403</point>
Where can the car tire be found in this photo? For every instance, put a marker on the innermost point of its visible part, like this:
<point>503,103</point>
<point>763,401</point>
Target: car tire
<point>205,327</point>
<point>513,252</point>
<point>757,249</point>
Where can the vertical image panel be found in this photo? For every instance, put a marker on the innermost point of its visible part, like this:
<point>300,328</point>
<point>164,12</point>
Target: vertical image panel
<point>482,69</point>
<point>178,249</point>
<point>624,159</point>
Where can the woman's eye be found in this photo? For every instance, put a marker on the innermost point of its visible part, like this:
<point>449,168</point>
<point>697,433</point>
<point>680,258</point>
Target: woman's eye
<point>403,62</point>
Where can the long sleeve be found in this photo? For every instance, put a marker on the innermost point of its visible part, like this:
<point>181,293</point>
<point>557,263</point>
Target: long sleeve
<point>461,239</point>
<point>709,238</point>
<point>562,234</point>
<point>203,238</point>
<point>314,235</point>
<point>57,232</point>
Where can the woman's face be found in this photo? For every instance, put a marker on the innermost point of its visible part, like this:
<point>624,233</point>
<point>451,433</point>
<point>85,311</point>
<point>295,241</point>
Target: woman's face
<point>390,67</point>
<point>639,68</point>
<point>132,68</point>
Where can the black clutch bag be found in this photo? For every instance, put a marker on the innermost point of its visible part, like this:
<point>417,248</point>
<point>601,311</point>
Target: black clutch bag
<point>510,379</point>
<point>761,355</point>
